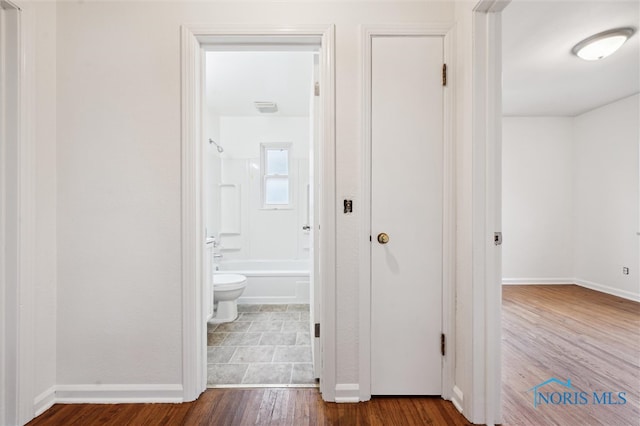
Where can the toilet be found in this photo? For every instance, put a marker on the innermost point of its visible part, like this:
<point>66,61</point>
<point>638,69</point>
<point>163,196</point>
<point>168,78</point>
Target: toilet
<point>227,288</point>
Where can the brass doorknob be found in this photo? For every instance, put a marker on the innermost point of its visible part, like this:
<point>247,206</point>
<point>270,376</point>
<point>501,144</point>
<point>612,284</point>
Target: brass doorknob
<point>383,238</point>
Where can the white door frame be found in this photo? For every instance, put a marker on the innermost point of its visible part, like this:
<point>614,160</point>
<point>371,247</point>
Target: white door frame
<point>448,252</point>
<point>193,330</point>
<point>17,214</point>
<point>485,402</point>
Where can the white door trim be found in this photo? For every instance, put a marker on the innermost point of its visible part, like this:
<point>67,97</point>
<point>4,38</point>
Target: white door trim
<point>194,332</point>
<point>18,212</point>
<point>485,403</point>
<point>448,267</point>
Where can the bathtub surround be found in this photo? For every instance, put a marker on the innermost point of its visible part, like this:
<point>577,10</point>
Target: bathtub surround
<point>213,165</point>
<point>246,229</point>
<point>271,281</point>
<point>266,345</point>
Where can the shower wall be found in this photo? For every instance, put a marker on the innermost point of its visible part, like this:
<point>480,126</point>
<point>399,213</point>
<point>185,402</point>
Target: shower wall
<point>213,165</point>
<point>246,230</point>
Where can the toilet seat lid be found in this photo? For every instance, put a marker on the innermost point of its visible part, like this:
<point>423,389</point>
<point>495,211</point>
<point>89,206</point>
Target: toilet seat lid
<point>226,279</point>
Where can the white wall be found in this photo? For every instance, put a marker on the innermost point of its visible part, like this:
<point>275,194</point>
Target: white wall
<point>537,199</point>
<point>119,293</point>
<point>118,100</point>
<point>606,195</point>
<point>570,200</point>
<point>45,307</point>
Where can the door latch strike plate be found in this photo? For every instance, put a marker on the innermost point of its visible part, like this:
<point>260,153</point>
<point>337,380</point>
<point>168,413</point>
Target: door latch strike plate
<point>497,238</point>
<point>348,206</point>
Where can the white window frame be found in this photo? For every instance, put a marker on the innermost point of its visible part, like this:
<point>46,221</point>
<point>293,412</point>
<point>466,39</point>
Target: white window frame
<point>264,147</point>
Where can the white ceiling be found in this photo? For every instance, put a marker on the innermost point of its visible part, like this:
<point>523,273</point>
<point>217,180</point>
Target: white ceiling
<point>235,80</point>
<point>541,77</point>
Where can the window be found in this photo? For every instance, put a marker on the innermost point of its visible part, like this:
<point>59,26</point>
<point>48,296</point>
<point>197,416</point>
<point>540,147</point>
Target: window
<point>275,160</point>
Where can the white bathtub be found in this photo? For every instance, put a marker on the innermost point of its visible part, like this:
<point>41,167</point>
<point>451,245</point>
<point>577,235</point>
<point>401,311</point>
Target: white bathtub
<point>271,281</point>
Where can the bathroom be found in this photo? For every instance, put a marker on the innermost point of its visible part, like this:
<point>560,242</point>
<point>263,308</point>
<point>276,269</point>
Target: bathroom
<point>258,203</point>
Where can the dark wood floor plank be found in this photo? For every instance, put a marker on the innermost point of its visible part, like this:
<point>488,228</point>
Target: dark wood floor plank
<point>261,406</point>
<point>548,331</point>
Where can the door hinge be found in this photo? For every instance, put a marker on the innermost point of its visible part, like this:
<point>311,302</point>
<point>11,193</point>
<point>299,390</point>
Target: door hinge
<point>317,330</point>
<point>497,238</point>
<point>444,74</point>
<point>316,89</point>
<point>443,344</point>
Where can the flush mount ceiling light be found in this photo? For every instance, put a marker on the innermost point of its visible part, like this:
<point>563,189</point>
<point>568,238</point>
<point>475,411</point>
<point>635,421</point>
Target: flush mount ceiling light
<point>603,44</point>
<point>266,106</point>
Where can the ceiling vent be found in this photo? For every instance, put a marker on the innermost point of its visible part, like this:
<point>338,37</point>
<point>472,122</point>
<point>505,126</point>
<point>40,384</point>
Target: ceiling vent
<point>266,107</point>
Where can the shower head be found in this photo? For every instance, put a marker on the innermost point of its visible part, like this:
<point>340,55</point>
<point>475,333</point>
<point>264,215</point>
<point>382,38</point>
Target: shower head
<point>218,147</point>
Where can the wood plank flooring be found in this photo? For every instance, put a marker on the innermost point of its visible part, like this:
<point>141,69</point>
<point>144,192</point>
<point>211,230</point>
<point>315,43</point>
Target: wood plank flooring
<point>563,331</point>
<point>266,406</point>
<point>569,332</point>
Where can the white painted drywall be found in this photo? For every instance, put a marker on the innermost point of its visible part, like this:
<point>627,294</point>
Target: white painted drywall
<point>119,293</point>
<point>45,306</point>
<point>537,199</point>
<point>264,233</point>
<point>605,180</point>
<point>570,199</point>
<point>119,309</point>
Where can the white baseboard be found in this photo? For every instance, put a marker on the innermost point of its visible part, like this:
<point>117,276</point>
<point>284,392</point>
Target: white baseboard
<point>458,398</point>
<point>577,281</point>
<point>114,394</point>
<point>609,290</point>
<point>347,392</point>
<point>44,401</point>
<point>537,281</point>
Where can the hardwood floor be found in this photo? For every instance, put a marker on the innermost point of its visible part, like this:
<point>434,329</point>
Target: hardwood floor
<point>565,332</point>
<point>569,332</point>
<point>265,406</point>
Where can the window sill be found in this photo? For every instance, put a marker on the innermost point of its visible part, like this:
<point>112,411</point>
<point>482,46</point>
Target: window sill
<point>277,208</point>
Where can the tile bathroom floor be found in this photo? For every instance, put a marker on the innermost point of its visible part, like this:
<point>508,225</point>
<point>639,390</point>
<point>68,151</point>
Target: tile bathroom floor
<point>265,345</point>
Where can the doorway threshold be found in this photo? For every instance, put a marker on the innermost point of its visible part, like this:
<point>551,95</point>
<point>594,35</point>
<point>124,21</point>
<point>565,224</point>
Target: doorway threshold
<point>250,386</point>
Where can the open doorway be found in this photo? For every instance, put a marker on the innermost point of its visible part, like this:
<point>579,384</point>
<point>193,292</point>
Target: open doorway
<point>195,41</point>
<point>260,125</point>
<point>570,216</point>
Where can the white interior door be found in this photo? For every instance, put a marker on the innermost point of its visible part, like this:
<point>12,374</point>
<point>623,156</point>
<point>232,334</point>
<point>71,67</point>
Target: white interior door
<point>406,205</point>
